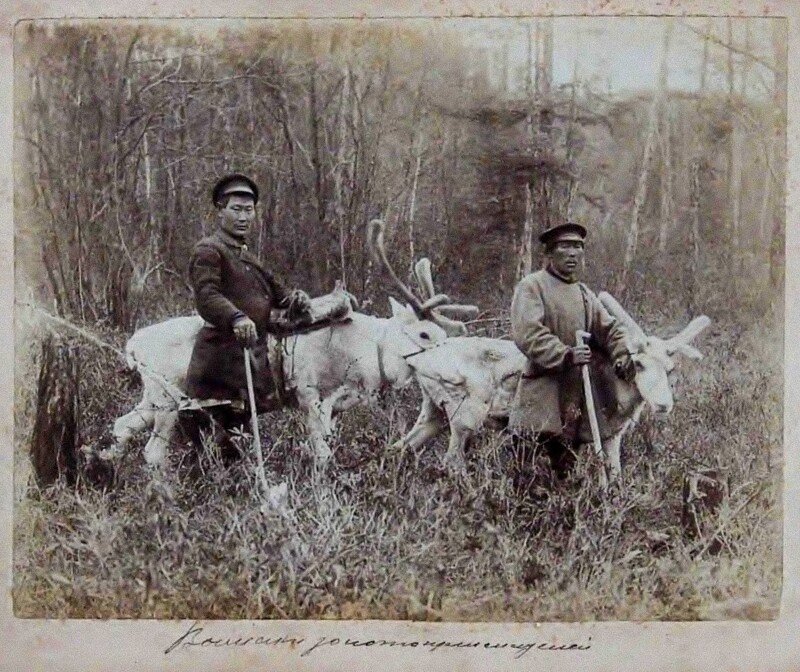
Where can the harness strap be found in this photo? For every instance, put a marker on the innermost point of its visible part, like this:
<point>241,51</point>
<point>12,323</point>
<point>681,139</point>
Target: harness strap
<point>385,383</point>
<point>276,369</point>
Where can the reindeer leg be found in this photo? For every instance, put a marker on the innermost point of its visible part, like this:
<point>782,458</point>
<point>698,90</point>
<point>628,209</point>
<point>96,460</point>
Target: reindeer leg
<point>319,424</point>
<point>611,454</point>
<point>428,424</point>
<point>155,452</point>
<point>454,457</point>
<point>139,419</point>
<point>125,428</point>
<point>466,417</point>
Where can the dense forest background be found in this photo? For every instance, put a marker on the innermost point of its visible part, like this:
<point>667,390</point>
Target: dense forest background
<point>466,147</point>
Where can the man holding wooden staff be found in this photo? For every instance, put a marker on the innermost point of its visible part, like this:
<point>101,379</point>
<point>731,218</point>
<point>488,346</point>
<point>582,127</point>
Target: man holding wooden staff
<point>549,307</point>
<point>234,293</point>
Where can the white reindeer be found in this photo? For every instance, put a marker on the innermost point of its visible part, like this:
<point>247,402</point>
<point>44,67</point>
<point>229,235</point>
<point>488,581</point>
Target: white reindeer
<point>468,381</point>
<point>329,370</point>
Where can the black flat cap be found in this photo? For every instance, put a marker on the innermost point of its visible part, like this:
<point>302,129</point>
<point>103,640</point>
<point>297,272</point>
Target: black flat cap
<point>234,184</point>
<point>567,231</point>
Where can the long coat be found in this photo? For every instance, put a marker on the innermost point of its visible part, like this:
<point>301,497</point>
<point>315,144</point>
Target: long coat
<point>229,282</point>
<point>546,311</point>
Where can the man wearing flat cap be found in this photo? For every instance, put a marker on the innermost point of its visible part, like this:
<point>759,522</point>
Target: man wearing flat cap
<point>548,307</point>
<point>234,294</point>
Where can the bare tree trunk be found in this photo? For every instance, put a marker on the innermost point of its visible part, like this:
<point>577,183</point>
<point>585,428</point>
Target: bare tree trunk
<point>339,173</point>
<point>534,63</point>
<point>695,167</point>
<point>766,198</point>
<point>412,211</point>
<point>54,441</point>
<point>547,58</point>
<point>641,190</point>
<point>694,237</point>
<point>777,243</point>
<point>504,67</point>
<point>738,149</point>
<point>530,64</point>
<point>704,63</point>
<point>524,258</point>
<point>322,261</point>
<point>732,141</point>
<point>575,173</point>
<point>667,215</point>
<point>525,252</point>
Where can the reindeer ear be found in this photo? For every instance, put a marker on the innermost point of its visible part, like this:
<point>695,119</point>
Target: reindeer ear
<point>633,344</point>
<point>398,310</point>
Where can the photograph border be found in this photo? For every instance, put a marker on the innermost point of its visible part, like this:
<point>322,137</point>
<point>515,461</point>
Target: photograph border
<point>276,645</point>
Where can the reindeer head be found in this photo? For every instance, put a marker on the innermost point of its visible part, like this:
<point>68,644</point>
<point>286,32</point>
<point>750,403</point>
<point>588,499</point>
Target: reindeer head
<point>653,356</point>
<point>423,333</point>
<point>431,308</point>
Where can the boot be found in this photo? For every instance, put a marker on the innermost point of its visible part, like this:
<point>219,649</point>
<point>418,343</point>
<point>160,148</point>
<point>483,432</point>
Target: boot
<point>562,456</point>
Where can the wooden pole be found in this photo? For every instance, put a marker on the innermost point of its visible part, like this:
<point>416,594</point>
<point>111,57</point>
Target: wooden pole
<point>254,420</point>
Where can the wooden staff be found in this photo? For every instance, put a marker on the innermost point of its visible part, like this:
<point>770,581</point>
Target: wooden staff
<point>254,419</point>
<point>580,338</point>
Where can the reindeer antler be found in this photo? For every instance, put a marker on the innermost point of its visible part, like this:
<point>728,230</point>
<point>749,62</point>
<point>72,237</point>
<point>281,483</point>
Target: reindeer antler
<point>433,303</point>
<point>613,306</point>
<point>422,271</point>
<point>680,342</point>
<point>459,310</point>
<point>375,240</point>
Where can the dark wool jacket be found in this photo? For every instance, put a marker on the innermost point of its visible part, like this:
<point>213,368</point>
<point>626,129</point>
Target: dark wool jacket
<point>546,311</point>
<point>229,282</point>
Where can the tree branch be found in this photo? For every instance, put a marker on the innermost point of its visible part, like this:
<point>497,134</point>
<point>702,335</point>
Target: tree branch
<point>722,43</point>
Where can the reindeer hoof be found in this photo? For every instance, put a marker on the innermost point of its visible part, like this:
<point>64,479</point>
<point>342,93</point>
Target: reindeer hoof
<point>108,454</point>
<point>322,456</point>
<point>455,465</point>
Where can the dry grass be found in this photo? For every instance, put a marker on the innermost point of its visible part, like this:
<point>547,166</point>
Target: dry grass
<point>384,535</point>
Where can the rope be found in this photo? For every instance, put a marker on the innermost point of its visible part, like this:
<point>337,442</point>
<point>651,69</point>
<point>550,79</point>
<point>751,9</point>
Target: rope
<point>175,394</point>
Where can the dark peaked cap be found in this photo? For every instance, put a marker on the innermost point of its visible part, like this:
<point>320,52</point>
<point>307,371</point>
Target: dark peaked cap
<point>569,231</point>
<point>234,184</point>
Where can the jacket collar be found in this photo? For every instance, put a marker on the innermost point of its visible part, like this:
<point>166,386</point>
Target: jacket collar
<point>569,281</point>
<point>237,244</point>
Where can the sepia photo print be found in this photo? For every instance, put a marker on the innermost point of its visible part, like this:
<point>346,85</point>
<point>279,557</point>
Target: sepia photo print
<point>466,319</point>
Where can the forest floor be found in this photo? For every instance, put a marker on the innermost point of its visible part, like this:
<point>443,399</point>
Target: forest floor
<point>390,535</point>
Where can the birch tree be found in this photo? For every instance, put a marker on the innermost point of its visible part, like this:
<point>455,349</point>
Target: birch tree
<point>525,252</point>
<point>632,237</point>
<point>666,222</point>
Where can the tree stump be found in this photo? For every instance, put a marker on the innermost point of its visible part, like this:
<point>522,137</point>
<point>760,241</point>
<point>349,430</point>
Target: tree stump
<point>54,441</point>
<point>703,493</point>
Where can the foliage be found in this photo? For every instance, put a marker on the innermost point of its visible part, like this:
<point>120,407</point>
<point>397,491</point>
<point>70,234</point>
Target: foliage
<point>391,535</point>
